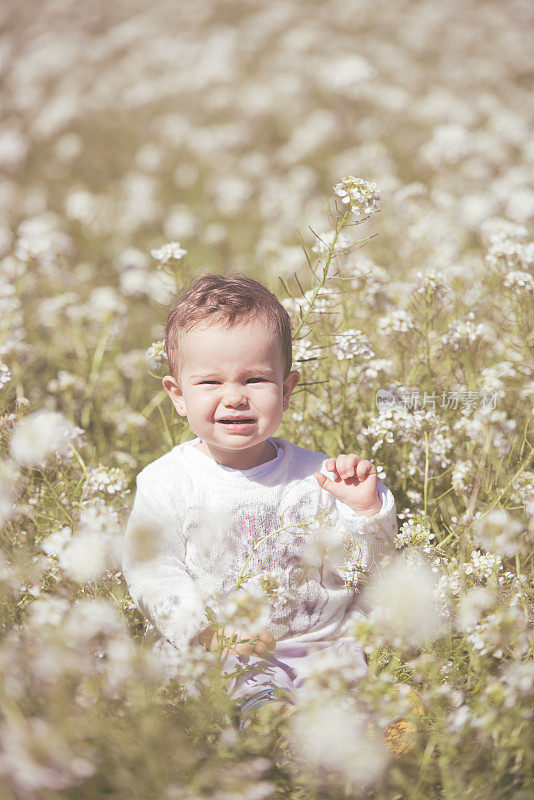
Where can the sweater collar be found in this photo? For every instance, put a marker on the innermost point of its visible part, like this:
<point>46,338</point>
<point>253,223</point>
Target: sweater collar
<point>190,450</point>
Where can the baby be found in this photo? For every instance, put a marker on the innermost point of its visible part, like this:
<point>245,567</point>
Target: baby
<point>209,505</point>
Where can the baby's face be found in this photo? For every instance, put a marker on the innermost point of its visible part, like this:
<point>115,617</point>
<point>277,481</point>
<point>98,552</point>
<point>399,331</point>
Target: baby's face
<point>228,373</point>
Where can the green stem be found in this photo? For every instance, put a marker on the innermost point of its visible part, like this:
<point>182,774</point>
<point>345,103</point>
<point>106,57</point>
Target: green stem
<point>153,403</point>
<point>520,584</point>
<point>425,489</point>
<point>521,469</point>
<point>96,364</point>
<point>326,267</point>
<point>58,500</point>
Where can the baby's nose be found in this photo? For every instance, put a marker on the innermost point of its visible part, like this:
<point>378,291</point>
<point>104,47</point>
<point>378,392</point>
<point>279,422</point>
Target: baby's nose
<point>235,395</point>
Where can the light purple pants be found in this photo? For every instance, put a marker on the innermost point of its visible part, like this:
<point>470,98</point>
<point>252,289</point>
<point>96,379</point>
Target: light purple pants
<point>288,666</point>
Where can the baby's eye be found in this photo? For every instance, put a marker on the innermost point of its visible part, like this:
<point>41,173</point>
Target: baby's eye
<point>250,379</point>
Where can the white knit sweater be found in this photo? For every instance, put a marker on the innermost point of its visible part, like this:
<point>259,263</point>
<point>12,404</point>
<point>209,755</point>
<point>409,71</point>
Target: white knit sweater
<point>194,523</point>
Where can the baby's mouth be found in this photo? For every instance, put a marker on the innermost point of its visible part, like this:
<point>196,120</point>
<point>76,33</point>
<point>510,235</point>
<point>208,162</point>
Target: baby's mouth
<point>236,421</point>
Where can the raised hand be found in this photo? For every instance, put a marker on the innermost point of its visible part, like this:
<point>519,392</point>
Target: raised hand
<point>355,483</point>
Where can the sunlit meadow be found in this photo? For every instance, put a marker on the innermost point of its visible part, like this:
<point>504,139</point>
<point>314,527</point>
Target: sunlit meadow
<point>373,164</point>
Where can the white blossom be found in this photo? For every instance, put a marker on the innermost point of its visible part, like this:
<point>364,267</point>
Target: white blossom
<point>168,252</point>
<point>9,475</point>
<point>351,344</point>
<point>5,375</point>
<point>110,480</point>
<point>397,321</point>
<point>329,735</point>
<point>360,195</point>
<point>402,604</point>
<point>40,434</point>
<point>521,283</point>
<point>155,354</point>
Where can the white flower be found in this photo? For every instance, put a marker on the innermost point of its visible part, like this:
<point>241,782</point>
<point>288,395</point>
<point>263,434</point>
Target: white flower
<point>472,606</point>
<point>5,374</point>
<point>106,300</point>
<point>462,333</point>
<point>86,557</point>
<point>521,283</point>
<point>92,616</point>
<point>361,195</point>
<point>304,350</point>
<point>170,251</point>
<point>95,547</point>
<point>449,144</point>
<point>9,475</point>
<point>413,533</point>
<point>433,286</point>
<point>402,604</point>
<point>351,344</point>
<point>482,565</point>
<point>39,239</point>
<point>324,543</point>
<point>246,606</point>
<point>155,354</point>
<point>40,434</point>
<point>500,533</point>
<point>330,736</point>
<point>397,321</point>
<point>461,471</point>
<point>54,544</point>
<point>48,610</point>
<point>13,147</point>
<point>110,480</point>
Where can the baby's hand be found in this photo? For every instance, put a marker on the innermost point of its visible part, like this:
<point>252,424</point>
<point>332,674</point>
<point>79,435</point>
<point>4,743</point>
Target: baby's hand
<point>355,484</point>
<point>261,644</point>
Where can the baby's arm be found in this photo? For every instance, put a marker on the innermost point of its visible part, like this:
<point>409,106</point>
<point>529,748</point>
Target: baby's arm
<point>152,564</point>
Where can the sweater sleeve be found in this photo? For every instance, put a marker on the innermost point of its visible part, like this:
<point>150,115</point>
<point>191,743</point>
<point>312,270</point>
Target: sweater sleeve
<point>366,540</point>
<point>154,569</point>
<point>375,534</point>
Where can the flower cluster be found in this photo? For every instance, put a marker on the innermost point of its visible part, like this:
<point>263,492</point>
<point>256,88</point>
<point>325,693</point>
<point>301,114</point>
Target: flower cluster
<point>432,286</point>
<point>305,350</point>
<point>95,548</point>
<point>109,480</point>
<point>462,333</point>
<point>5,374</point>
<point>462,475</point>
<point>396,423</point>
<point>500,533</point>
<point>361,195</point>
<point>352,344</point>
<point>482,565</point>
<point>43,435</point>
<point>521,283</point>
<point>414,533</point>
<point>396,321</point>
<point>155,354</point>
<point>168,252</point>
<point>322,300</point>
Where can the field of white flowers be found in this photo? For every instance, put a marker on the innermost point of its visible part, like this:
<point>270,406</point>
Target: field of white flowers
<point>222,127</point>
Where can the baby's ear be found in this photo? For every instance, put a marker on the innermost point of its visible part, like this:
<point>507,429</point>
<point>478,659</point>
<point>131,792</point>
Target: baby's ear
<point>289,384</point>
<point>173,390</point>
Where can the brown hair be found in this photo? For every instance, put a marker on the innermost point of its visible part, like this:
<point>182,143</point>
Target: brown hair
<point>229,299</point>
